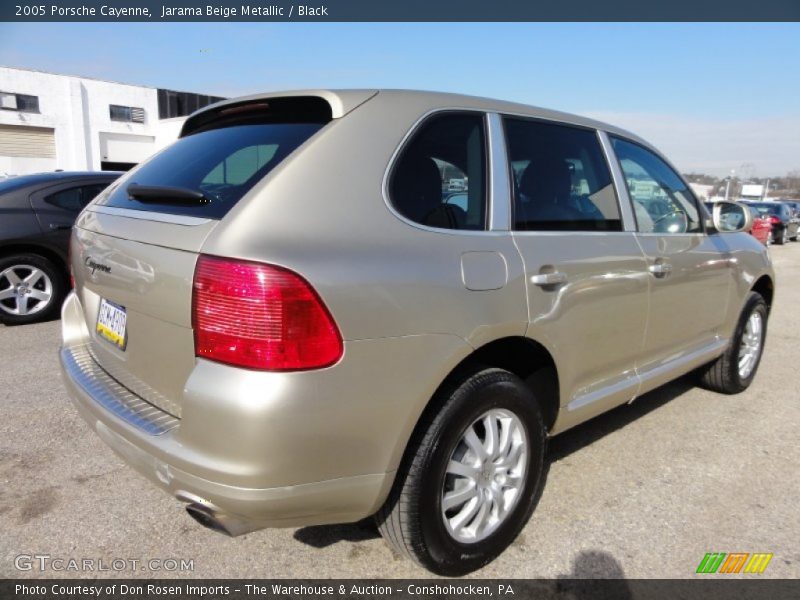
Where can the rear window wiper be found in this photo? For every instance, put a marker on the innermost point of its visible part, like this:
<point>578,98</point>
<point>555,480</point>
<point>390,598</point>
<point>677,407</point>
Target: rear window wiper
<point>165,194</point>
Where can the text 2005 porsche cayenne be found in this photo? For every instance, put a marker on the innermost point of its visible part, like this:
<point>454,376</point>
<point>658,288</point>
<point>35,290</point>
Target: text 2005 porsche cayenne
<point>320,306</point>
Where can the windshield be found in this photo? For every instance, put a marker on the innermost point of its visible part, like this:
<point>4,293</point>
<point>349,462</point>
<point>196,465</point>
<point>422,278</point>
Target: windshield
<point>767,209</point>
<point>223,164</point>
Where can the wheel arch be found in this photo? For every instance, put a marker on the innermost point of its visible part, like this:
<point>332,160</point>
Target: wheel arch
<point>44,251</point>
<point>766,287</point>
<point>519,355</point>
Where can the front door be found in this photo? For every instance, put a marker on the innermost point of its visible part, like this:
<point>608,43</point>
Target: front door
<point>690,274</point>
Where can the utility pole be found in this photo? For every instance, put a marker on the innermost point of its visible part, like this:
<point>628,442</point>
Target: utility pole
<point>728,184</point>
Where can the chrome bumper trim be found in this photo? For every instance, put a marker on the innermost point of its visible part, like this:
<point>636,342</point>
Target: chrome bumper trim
<point>83,370</point>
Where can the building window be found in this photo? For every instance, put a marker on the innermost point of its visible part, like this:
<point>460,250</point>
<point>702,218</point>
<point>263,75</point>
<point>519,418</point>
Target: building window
<point>126,114</point>
<point>173,104</point>
<point>19,102</point>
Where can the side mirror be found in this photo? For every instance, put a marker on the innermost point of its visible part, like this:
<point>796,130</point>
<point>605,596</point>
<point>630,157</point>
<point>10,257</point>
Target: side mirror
<point>730,217</point>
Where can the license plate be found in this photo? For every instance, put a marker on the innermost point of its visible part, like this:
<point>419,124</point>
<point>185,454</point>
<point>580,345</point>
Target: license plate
<point>112,323</point>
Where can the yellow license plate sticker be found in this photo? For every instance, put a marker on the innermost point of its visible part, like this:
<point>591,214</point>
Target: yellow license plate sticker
<point>112,321</point>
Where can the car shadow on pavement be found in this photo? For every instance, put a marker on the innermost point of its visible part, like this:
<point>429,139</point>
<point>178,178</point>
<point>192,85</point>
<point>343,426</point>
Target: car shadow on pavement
<point>587,433</point>
<point>588,567</point>
<point>322,536</point>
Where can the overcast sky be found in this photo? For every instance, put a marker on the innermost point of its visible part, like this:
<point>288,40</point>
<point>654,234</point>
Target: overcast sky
<point>713,97</point>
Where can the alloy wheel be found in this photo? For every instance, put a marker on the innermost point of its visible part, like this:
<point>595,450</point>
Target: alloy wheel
<point>24,290</point>
<point>750,347</point>
<point>485,476</point>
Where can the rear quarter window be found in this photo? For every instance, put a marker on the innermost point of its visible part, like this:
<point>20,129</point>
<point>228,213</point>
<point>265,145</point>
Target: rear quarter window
<point>440,178</point>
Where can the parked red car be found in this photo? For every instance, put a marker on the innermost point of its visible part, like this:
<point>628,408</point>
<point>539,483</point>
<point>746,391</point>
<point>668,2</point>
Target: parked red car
<point>762,227</point>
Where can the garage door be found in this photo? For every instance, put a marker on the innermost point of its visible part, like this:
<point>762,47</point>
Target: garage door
<point>31,142</point>
<point>125,148</point>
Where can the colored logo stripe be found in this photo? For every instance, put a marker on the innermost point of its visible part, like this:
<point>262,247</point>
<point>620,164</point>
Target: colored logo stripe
<point>758,563</point>
<point>734,562</point>
<point>711,562</point>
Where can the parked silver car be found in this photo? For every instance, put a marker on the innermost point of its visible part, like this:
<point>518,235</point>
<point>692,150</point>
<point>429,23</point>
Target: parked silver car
<point>317,335</point>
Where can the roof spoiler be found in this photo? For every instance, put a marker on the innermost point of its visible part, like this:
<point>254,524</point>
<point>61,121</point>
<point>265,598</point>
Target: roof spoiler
<point>294,107</point>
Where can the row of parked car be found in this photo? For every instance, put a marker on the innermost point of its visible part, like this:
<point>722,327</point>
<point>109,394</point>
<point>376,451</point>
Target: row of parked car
<point>774,221</point>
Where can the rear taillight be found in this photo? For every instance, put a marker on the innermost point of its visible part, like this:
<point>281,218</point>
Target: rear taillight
<point>775,220</point>
<point>261,317</point>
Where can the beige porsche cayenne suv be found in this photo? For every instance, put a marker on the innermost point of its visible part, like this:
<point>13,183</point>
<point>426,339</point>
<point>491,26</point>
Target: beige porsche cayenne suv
<point>294,316</point>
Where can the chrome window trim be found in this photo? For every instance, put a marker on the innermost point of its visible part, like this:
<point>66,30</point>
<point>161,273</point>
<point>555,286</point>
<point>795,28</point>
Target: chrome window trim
<point>398,150</point>
<point>671,235</point>
<point>144,215</point>
<point>523,232</point>
<point>499,175</point>
<point>618,178</point>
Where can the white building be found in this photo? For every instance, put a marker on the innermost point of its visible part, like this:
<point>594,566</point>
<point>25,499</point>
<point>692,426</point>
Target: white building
<point>50,121</point>
<point>752,191</point>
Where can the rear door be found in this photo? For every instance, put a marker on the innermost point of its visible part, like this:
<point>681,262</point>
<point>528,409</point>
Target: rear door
<point>586,275</point>
<point>134,249</point>
<point>690,271</point>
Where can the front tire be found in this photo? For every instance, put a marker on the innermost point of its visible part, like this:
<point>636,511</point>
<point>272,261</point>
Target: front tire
<point>472,475</point>
<point>32,289</point>
<point>734,371</point>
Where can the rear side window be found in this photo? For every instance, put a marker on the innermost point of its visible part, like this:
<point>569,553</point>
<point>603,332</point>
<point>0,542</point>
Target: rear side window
<point>769,209</point>
<point>67,199</point>
<point>74,199</point>
<point>440,178</point>
<point>561,179</point>
<point>223,164</point>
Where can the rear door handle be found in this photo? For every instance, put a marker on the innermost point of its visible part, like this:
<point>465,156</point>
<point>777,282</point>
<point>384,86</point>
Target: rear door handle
<point>555,278</point>
<point>59,226</point>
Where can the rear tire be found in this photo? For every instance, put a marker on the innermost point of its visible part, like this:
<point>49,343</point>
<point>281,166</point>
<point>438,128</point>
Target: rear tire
<point>781,239</point>
<point>415,521</point>
<point>32,289</point>
<point>727,374</point>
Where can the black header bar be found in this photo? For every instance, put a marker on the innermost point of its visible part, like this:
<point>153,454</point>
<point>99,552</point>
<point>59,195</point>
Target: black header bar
<point>399,10</point>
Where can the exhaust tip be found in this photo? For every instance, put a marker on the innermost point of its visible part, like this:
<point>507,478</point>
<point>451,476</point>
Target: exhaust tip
<point>207,518</point>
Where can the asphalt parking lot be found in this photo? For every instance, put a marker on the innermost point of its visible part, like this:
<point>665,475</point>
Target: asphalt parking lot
<point>644,491</point>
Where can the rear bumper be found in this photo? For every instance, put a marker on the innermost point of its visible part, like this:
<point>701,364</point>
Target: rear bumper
<point>334,501</point>
<point>266,449</point>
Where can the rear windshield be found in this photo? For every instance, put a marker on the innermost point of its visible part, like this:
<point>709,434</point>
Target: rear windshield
<point>222,164</point>
<point>767,209</point>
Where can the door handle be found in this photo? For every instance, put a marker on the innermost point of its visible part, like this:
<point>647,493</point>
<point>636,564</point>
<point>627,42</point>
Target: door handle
<point>554,278</point>
<point>59,226</point>
<point>660,269</point>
